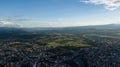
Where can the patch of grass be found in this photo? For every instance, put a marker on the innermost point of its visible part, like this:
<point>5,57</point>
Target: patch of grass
<point>75,44</point>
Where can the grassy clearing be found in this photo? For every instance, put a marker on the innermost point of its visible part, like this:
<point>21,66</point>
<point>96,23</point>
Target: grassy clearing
<point>105,36</point>
<point>75,44</point>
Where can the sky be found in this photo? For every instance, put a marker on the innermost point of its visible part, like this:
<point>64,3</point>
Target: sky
<point>58,13</point>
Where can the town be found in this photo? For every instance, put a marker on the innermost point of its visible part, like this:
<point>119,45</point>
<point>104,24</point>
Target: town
<point>61,49</point>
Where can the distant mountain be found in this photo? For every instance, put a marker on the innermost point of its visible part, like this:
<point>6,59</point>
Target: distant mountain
<point>108,26</point>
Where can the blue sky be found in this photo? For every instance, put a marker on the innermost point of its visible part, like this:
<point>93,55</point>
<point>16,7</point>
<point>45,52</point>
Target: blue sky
<point>58,13</point>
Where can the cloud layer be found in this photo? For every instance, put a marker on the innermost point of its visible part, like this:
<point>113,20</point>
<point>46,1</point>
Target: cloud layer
<point>4,23</point>
<point>108,4</point>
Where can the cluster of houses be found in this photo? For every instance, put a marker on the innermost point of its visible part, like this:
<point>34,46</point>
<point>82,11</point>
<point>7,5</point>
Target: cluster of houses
<point>103,56</point>
<point>38,56</point>
<point>106,53</point>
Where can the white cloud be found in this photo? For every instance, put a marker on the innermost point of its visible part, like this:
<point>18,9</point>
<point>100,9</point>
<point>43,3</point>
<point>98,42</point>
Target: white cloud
<point>108,4</point>
<point>7,23</point>
<point>4,23</point>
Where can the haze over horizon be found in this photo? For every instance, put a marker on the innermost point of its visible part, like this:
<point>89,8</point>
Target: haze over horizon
<point>58,13</point>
